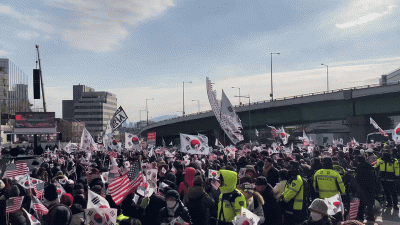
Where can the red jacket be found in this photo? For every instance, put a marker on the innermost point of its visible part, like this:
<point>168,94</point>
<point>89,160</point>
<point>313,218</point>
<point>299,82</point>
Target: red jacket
<point>189,178</point>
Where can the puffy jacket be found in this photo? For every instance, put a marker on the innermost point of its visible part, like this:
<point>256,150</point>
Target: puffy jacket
<point>389,169</point>
<point>198,196</point>
<point>231,200</point>
<point>328,183</point>
<point>293,193</point>
<point>181,211</point>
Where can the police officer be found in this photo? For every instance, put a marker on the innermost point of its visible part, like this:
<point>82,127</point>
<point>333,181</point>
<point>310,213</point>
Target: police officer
<point>388,172</point>
<point>231,200</point>
<point>292,201</point>
<point>328,182</point>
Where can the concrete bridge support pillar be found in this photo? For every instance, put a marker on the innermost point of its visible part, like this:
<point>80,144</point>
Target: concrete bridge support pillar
<point>358,128</point>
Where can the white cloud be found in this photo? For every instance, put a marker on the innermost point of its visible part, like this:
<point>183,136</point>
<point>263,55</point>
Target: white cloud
<point>101,26</point>
<point>365,11</point>
<point>28,35</point>
<point>94,25</point>
<point>34,20</point>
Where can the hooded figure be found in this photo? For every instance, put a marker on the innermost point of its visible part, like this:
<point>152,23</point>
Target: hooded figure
<point>231,199</point>
<point>188,182</point>
<point>200,205</point>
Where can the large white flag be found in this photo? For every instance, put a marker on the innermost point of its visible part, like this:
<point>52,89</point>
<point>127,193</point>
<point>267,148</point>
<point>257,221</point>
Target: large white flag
<point>87,142</point>
<point>132,142</point>
<point>229,123</point>
<point>96,201</point>
<point>194,144</point>
<point>396,134</point>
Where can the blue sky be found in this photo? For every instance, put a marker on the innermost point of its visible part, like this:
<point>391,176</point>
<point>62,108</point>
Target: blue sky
<point>146,49</point>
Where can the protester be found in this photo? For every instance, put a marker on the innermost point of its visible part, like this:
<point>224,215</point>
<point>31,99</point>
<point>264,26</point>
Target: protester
<point>200,205</point>
<point>273,185</point>
<point>175,210</point>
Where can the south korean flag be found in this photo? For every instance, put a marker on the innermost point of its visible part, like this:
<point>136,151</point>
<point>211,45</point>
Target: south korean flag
<point>100,216</point>
<point>96,201</point>
<point>194,144</point>
<point>132,142</point>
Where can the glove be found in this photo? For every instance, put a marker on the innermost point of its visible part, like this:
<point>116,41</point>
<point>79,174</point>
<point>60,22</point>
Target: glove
<point>145,202</point>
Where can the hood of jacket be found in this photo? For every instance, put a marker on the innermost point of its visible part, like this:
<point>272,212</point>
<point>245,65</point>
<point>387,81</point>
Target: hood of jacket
<point>195,192</point>
<point>230,181</point>
<point>189,175</point>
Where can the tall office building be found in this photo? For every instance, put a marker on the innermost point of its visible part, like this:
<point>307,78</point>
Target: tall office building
<point>13,89</point>
<point>95,108</point>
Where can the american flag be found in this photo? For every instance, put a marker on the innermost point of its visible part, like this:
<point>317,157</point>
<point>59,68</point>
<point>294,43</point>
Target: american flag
<point>16,169</point>
<point>274,132</point>
<point>215,184</point>
<point>126,183</point>
<point>353,209</point>
<point>38,206</point>
<point>39,188</point>
<point>13,204</point>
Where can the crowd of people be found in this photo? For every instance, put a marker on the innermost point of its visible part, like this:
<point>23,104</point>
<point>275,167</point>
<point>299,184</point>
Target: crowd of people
<point>279,188</point>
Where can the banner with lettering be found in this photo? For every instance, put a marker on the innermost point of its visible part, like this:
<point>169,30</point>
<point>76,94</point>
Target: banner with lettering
<point>118,118</point>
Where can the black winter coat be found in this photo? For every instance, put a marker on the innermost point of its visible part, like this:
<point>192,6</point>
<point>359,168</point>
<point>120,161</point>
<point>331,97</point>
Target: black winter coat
<point>365,181</point>
<point>181,211</point>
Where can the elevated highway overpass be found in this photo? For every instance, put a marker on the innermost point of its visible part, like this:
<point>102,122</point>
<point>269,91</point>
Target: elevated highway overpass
<point>355,105</point>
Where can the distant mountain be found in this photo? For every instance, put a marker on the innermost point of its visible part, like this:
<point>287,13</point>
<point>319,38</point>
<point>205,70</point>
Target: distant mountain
<point>165,117</point>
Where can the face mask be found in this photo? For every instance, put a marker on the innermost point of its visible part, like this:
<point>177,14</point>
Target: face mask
<point>171,204</point>
<point>316,216</point>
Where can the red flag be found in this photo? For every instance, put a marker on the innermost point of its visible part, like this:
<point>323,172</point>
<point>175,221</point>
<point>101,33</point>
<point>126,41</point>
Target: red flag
<point>126,183</point>
<point>14,204</point>
<point>16,169</point>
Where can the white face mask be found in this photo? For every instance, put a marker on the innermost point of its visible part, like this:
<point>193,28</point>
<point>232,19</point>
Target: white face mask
<point>316,216</point>
<point>171,203</point>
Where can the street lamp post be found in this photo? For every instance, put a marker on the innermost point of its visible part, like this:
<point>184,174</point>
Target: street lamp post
<point>327,77</point>
<point>198,104</point>
<point>140,117</point>
<point>147,110</point>
<point>240,103</point>
<point>248,96</point>
<point>272,87</point>
<point>183,111</point>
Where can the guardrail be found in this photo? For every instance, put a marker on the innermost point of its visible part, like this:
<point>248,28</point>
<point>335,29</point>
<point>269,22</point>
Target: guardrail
<point>287,98</point>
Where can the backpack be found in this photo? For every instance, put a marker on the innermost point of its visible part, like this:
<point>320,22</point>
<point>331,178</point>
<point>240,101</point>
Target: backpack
<point>197,211</point>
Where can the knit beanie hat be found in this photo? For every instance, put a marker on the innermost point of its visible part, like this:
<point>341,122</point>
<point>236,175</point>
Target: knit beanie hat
<point>172,194</point>
<point>319,206</point>
<point>67,199</point>
<point>50,192</point>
